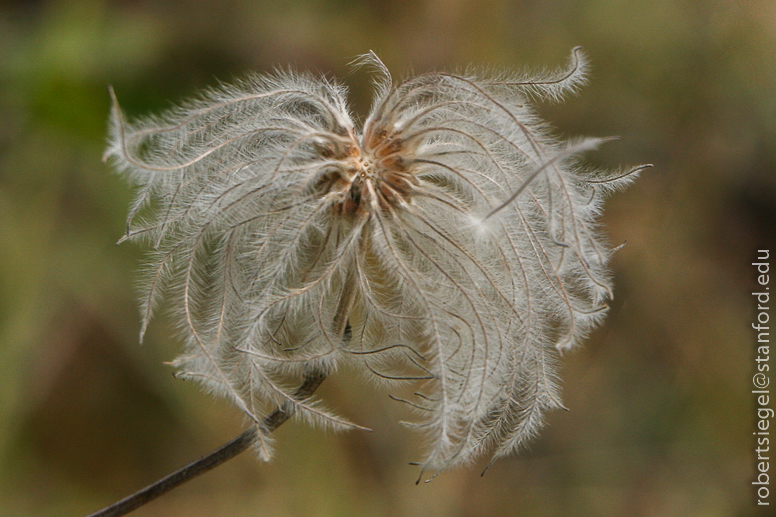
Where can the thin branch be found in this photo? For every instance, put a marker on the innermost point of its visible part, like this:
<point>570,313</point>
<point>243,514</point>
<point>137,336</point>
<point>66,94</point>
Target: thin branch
<point>215,458</point>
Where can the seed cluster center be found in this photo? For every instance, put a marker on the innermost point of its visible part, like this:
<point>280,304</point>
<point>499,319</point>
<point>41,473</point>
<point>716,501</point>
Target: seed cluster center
<point>376,175</point>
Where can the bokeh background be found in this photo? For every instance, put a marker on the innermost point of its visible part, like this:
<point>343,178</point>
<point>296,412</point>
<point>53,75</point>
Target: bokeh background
<point>661,415</point>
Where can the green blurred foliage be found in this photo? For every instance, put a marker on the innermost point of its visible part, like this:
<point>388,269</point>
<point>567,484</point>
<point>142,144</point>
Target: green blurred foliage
<point>661,417</point>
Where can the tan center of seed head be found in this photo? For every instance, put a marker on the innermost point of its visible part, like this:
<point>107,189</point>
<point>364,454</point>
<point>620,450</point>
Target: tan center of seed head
<point>375,178</point>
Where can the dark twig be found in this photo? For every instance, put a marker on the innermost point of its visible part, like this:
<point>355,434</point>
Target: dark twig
<point>215,458</point>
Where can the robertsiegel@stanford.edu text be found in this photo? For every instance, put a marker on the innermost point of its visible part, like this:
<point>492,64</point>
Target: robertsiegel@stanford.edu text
<point>761,379</point>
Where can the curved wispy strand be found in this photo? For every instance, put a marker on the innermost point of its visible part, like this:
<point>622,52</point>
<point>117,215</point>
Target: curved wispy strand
<point>450,242</point>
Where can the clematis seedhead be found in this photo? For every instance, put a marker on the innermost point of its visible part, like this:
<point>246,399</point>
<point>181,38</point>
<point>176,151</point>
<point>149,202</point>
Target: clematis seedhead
<point>449,244</point>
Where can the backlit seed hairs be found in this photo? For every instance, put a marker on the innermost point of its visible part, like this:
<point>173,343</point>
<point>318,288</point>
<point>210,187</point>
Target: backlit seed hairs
<point>446,247</point>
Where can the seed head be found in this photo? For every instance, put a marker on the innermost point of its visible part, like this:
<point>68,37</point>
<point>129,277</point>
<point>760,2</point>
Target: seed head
<point>450,243</point>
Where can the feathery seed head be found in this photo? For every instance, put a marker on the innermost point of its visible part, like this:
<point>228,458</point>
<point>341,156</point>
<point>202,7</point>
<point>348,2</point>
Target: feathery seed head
<point>450,243</point>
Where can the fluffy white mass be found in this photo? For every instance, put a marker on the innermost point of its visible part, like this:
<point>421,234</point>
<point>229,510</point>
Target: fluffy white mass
<point>449,242</point>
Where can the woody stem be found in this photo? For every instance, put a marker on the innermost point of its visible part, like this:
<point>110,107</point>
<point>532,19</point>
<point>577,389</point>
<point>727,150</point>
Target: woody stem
<point>224,453</point>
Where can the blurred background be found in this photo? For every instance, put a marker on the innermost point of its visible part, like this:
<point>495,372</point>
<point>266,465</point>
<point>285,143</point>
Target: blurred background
<point>661,415</point>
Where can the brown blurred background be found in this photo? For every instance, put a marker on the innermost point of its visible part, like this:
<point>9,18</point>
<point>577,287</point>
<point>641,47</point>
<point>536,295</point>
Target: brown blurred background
<point>661,415</point>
